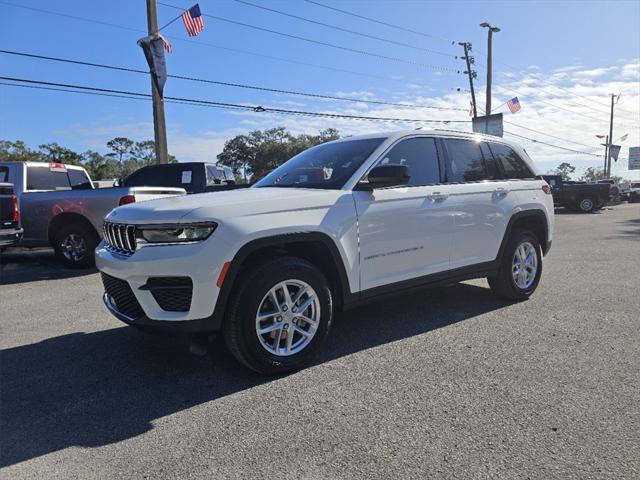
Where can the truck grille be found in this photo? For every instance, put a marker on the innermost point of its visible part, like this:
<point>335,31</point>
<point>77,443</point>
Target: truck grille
<point>120,238</point>
<point>173,294</point>
<point>121,296</point>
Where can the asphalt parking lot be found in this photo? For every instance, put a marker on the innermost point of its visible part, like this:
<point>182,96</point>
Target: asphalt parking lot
<point>449,383</point>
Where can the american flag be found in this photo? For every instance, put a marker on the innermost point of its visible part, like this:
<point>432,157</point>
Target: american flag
<point>192,20</point>
<point>167,45</point>
<point>513,104</point>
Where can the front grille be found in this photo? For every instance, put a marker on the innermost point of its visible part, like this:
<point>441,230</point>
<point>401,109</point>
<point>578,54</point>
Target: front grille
<point>120,238</point>
<point>173,294</point>
<point>121,296</point>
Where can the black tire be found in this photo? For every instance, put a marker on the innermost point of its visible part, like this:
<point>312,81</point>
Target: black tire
<point>239,329</point>
<point>586,204</point>
<point>87,239</point>
<point>503,284</point>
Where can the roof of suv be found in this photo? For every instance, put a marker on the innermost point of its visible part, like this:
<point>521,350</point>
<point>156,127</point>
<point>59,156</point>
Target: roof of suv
<point>432,133</point>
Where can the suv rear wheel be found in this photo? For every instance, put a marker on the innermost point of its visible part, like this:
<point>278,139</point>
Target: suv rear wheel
<point>279,316</point>
<point>520,267</point>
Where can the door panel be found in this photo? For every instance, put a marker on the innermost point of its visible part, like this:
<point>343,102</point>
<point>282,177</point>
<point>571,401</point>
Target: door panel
<point>404,233</point>
<point>481,212</point>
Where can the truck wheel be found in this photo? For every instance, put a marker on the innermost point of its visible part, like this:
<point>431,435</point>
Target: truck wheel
<point>586,205</point>
<point>520,267</point>
<point>279,316</point>
<point>74,245</point>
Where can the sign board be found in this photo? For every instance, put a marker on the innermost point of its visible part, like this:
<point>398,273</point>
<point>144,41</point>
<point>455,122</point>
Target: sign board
<point>634,158</point>
<point>489,124</point>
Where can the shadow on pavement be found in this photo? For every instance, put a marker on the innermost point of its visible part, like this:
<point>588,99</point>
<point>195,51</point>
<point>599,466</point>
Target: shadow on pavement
<point>631,228</point>
<point>93,389</point>
<point>22,265</point>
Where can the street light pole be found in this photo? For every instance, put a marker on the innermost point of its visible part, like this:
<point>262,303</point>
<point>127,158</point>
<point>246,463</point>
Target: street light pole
<point>159,125</point>
<point>489,63</point>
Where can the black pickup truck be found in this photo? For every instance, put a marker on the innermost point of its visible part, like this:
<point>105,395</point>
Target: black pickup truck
<point>194,177</point>
<point>584,197</point>
<point>10,230</point>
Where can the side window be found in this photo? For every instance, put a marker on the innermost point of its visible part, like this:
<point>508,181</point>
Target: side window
<point>420,155</point>
<point>512,165</point>
<point>42,178</point>
<point>4,174</point>
<point>466,163</point>
<point>79,179</point>
<point>490,162</point>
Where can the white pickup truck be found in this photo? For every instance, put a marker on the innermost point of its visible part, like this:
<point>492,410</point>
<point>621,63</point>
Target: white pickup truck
<point>60,208</point>
<point>337,225</point>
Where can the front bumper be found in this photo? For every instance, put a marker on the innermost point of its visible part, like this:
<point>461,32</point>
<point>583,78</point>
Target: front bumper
<point>202,325</point>
<point>198,261</point>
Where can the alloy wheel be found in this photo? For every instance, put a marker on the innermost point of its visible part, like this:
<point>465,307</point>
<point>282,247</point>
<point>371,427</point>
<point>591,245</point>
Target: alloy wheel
<point>288,317</point>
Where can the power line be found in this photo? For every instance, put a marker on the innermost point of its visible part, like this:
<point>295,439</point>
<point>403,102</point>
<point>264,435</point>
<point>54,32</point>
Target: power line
<point>320,42</point>
<point>228,84</point>
<point>379,22</point>
<point>211,45</point>
<point>551,144</point>
<point>255,108</point>
<point>549,135</point>
<point>341,29</point>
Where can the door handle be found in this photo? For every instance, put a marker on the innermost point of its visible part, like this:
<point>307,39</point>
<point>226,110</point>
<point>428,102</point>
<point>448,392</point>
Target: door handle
<point>437,196</point>
<point>500,191</point>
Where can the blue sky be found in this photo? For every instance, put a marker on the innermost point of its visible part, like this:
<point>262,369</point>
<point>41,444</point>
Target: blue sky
<point>589,49</point>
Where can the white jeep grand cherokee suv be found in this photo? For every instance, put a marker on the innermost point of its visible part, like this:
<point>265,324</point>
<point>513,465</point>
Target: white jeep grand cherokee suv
<point>337,225</point>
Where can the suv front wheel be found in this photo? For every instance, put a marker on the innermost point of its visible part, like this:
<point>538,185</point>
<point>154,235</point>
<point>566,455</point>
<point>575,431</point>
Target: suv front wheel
<point>520,267</point>
<point>279,316</point>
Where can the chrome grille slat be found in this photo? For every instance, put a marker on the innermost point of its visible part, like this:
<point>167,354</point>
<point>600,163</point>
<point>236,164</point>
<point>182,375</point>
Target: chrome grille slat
<point>120,238</point>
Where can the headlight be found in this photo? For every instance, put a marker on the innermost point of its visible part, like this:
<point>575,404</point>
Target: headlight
<point>177,233</point>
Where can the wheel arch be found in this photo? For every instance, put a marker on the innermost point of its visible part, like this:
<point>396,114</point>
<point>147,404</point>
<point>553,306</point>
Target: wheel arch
<point>315,247</point>
<point>68,218</point>
<point>533,220</point>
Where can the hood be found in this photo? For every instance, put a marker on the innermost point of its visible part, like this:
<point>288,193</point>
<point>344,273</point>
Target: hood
<point>222,205</point>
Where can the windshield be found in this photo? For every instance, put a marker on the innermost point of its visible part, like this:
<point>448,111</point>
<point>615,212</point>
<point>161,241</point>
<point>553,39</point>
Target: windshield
<point>326,166</point>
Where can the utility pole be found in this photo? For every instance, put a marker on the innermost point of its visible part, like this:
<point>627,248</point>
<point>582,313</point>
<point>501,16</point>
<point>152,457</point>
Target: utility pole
<point>471,73</point>
<point>489,62</point>
<point>159,125</point>
<point>610,141</point>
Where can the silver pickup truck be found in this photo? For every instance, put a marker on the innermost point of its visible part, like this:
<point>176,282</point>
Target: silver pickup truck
<point>60,208</point>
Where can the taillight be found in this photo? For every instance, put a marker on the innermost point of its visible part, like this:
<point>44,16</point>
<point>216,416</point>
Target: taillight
<point>15,209</point>
<point>127,199</point>
<point>546,189</point>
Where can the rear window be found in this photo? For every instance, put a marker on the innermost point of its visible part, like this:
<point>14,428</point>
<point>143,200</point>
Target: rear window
<point>635,185</point>
<point>466,163</point>
<point>42,178</point>
<point>513,167</point>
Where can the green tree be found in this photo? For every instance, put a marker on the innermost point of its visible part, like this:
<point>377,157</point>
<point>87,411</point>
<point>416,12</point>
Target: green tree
<point>52,152</point>
<point>17,152</point>
<point>565,170</point>
<point>121,147</point>
<point>263,150</point>
<point>101,167</point>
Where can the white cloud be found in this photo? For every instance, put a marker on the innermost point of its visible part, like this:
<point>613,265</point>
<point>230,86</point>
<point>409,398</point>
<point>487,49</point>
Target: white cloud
<point>571,103</point>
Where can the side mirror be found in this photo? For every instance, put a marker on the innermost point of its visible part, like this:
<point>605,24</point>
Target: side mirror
<point>385,176</point>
